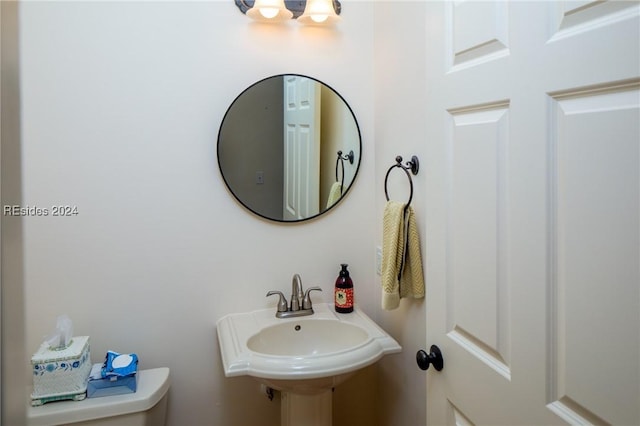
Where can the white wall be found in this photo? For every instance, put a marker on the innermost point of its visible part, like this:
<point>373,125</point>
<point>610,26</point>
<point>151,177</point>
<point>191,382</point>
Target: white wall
<point>400,109</point>
<point>121,104</point>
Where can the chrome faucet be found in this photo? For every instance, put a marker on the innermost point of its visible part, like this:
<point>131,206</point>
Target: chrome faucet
<point>296,293</point>
<point>300,300</point>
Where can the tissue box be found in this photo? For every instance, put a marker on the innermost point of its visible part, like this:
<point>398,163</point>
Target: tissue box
<point>61,373</point>
<point>98,386</point>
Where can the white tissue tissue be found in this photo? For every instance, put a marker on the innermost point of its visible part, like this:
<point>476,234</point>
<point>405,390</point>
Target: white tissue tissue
<point>61,336</point>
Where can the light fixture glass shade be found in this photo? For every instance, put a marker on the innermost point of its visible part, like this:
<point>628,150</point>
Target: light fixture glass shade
<point>319,12</point>
<point>269,11</point>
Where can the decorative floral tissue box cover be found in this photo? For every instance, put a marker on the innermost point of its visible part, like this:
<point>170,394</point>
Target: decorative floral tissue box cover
<point>61,373</point>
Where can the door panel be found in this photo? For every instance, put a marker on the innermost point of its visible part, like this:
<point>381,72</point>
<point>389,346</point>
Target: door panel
<point>290,199</point>
<point>533,212</point>
<point>595,252</point>
<point>477,300</point>
<point>485,40</point>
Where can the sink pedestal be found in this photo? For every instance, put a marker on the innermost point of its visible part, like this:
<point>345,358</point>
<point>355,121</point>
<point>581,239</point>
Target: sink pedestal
<point>306,410</point>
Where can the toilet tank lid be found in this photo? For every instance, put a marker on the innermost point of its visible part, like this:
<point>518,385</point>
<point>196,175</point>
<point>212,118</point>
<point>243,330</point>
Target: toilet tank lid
<point>152,385</point>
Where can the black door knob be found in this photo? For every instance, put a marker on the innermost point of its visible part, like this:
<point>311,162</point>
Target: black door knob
<point>434,358</point>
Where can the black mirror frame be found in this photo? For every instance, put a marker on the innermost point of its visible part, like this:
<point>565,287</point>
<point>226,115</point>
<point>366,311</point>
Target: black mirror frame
<point>322,212</point>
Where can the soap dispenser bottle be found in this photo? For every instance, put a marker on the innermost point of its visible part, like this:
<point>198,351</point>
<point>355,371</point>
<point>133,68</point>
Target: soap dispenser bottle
<point>344,291</point>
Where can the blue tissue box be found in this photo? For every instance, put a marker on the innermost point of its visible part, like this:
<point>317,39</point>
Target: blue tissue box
<point>111,385</point>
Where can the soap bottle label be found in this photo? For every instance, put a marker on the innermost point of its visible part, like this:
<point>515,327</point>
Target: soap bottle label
<point>344,297</point>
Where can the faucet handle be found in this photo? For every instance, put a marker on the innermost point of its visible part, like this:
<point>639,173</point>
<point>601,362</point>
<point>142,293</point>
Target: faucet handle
<point>282,303</point>
<point>306,302</point>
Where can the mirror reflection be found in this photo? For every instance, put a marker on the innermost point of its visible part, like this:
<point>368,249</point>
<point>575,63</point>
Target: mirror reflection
<point>289,148</point>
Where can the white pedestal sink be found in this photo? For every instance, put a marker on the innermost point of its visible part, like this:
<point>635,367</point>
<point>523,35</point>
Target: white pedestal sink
<point>303,357</point>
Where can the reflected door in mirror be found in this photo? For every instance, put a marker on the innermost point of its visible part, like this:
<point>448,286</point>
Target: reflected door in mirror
<point>301,148</point>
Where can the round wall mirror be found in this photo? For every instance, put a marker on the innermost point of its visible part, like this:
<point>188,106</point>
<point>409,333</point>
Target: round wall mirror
<point>289,148</point>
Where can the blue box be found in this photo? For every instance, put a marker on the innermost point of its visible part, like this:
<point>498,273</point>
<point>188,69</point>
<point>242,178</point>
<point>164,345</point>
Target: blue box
<point>111,386</point>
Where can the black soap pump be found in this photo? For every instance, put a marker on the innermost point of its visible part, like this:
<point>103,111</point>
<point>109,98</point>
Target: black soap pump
<point>344,291</point>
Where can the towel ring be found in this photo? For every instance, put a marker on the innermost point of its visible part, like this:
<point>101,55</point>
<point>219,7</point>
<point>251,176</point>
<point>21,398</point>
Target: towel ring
<point>413,166</point>
<point>341,159</point>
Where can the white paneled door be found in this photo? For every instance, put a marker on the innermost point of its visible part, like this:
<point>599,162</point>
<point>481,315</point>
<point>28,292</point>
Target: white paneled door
<point>533,212</point>
<point>301,148</point>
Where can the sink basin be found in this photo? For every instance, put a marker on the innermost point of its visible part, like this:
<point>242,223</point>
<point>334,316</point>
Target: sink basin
<point>304,354</point>
<point>307,337</point>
